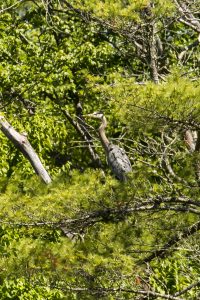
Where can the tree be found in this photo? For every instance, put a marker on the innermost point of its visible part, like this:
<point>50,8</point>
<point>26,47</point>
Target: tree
<point>87,235</point>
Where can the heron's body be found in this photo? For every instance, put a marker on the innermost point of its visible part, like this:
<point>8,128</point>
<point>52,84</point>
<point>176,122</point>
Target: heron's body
<point>118,162</point>
<point>117,159</point>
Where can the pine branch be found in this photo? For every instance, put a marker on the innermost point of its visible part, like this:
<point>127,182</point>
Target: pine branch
<point>186,124</point>
<point>191,286</point>
<point>114,215</point>
<point>101,290</point>
<point>173,241</point>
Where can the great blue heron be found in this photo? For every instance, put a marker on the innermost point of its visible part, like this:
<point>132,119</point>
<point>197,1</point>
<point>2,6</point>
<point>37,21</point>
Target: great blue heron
<point>117,159</point>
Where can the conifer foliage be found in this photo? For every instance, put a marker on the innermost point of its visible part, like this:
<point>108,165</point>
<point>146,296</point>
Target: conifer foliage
<point>84,234</point>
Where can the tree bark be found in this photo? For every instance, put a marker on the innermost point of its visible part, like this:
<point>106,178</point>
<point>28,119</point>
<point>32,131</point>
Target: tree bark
<point>22,143</point>
<point>153,54</point>
<point>192,139</point>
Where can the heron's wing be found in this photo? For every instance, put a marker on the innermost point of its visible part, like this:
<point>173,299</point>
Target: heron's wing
<point>118,161</point>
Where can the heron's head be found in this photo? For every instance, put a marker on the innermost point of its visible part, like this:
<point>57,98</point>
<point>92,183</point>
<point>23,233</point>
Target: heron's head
<point>96,115</point>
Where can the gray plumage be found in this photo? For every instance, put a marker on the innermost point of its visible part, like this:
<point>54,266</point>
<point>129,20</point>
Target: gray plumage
<point>117,159</point>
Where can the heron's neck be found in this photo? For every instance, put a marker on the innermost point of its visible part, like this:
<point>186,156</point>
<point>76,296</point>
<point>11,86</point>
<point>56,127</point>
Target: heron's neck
<point>105,142</point>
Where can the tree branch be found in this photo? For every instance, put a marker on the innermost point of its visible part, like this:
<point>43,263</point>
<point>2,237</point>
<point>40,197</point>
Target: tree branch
<point>169,120</point>
<point>188,18</point>
<point>165,158</point>
<point>197,158</point>
<point>11,6</point>
<point>81,129</point>
<point>87,136</point>
<point>191,286</point>
<point>189,47</point>
<point>96,291</point>
<point>22,143</point>
<point>192,139</point>
<point>173,241</point>
<point>84,134</point>
<point>113,215</point>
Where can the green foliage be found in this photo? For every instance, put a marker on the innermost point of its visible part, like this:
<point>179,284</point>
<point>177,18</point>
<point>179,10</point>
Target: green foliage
<point>44,71</point>
<point>86,235</point>
<point>173,275</point>
<point>176,99</point>
<point>22,289</point>
<point>102,255</point>
<point>122,11</point>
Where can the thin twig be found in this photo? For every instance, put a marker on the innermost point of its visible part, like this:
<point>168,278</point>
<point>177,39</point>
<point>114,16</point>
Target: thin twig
<point>11,6</point>
<point>121,290</point>
<point>191,286</point>
<point>173,241</point>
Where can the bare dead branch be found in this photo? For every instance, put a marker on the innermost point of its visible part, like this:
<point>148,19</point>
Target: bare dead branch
<point>84,134</point>
<point>190,138</point>
<point>197,157</point>
<point>153,52</point>
<point>102,290</point>
<point>187,16</point>
<point>189,47</point>
<point>165,158</point>
<point>87,136</point>
<point>197,145</point>
<point>22,143</point>
<point>80,128</point>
